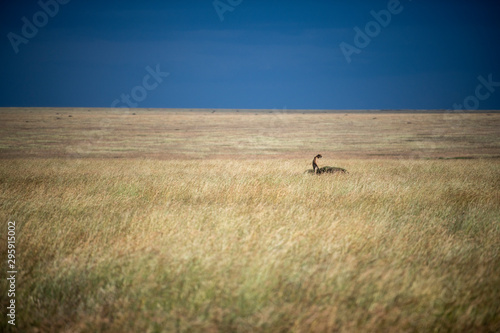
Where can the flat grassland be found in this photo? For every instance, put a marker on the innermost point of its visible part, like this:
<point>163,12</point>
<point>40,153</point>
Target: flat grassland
<point>180,134</point>
<point>204,222</point>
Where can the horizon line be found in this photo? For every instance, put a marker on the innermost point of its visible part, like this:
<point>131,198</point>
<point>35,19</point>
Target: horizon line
<point>268,110</point>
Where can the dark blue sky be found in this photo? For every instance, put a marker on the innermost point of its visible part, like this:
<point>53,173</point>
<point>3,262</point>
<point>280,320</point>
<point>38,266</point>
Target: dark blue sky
<point>263,54</point>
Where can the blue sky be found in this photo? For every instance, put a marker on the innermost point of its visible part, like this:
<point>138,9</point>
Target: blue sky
<point>251,54</point>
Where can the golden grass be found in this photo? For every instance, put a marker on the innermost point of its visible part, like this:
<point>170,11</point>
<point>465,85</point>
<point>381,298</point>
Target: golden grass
<point>143,245</point>
<point>174,134</point>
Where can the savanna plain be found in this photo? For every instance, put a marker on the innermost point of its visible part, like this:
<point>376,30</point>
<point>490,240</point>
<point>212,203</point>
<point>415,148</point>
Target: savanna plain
<point>204,221</point>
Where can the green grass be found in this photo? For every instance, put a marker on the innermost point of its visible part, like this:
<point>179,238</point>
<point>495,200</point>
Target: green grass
<point>143,245</point>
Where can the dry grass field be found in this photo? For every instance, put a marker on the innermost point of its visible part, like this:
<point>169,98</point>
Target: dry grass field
<point>205,222</point>
<point>177,134</point>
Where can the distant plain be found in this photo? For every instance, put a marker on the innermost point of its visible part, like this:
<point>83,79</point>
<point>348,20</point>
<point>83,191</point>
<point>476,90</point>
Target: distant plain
<point>211,133</point>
